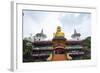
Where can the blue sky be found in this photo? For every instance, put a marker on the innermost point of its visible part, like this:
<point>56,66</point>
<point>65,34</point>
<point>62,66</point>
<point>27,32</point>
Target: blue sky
<point>35,21</point>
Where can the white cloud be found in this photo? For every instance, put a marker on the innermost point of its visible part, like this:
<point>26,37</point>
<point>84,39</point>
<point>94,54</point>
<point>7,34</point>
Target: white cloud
<point>34,21</point>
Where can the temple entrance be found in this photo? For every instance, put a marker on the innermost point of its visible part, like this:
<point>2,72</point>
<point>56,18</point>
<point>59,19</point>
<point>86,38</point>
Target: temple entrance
<point>59,54</point>
<point>59,51</point>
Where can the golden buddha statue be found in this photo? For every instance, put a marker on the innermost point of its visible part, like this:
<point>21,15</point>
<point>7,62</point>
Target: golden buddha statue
<point>58,32</point>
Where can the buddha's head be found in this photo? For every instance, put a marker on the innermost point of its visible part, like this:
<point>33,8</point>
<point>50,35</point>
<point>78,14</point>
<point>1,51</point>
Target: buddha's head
<point>58,29</point>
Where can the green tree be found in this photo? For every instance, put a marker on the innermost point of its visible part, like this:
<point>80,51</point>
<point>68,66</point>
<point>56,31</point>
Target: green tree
<point>27,50</point>
<point>87,48</point>
<point>87,42</point>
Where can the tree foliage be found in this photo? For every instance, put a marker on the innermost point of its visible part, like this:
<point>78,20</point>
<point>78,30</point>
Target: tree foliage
<point>27,47</point>
<point>27,50</point>
<point>87,42</point>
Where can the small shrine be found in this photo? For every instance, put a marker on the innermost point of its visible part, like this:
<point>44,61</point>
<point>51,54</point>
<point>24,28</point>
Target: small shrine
<point>40,36</point>
<point>76,36</point>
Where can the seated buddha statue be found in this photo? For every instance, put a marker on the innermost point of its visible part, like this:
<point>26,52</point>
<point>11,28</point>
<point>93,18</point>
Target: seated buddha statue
<point>58,32</point>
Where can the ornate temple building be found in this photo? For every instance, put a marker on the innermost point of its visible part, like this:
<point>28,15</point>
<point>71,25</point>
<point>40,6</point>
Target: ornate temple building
<point>59,43</point>
<point>57,49</point>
